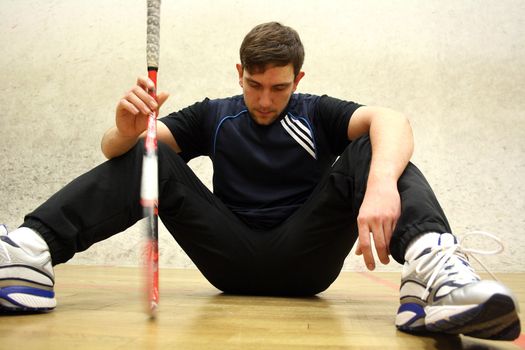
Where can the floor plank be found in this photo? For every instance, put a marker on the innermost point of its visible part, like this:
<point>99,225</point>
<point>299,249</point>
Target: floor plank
<point>101,308</point>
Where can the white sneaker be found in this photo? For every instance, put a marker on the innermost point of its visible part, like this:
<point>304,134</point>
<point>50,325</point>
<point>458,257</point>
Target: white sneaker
<point>440,292</point>
<point>26,273</point>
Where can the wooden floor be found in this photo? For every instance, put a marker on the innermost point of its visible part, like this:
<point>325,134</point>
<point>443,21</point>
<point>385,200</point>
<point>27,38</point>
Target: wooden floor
<point>101,308</point>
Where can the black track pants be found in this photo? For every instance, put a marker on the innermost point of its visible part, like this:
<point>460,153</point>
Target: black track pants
<point>301,256</point>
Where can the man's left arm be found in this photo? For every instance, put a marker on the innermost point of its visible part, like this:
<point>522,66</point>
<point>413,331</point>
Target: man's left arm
<point>392,146</point>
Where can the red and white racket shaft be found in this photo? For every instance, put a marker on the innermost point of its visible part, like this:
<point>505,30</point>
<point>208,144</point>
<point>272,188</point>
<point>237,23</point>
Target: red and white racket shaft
<point>152,270</point>
<point>149,185</point>
<point>149,200</point>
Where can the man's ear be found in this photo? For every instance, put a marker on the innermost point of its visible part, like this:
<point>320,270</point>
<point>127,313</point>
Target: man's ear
<point>297,80</point>
<point>240,71</point>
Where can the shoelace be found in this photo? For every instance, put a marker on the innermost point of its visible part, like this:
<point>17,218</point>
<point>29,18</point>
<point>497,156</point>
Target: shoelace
<point>437,265</point>
<point>471,251</point>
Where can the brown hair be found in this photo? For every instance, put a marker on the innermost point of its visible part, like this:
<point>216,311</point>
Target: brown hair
<point>271,44</point>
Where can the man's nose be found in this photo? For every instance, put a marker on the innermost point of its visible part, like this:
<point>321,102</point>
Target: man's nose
<point>265,99</point>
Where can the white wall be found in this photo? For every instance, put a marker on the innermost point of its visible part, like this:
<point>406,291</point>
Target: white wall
<point>456,68</point>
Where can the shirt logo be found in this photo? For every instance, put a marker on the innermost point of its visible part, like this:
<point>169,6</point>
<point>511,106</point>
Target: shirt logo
<point>300,132</point>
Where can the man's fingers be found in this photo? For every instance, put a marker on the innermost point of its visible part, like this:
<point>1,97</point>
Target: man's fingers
<point>381,231</point>
<point>380,242</point>
<point>128,106</point>
<point>145,83</point>
<point>364,244</point>
<point>146,98</point>
<point>388,235</point>
<point>358,249</point>
<point>136,100</point>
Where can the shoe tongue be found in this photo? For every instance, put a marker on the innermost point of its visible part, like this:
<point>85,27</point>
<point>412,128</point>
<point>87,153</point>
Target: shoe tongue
<point>424,243</point>
<point>30,241</point>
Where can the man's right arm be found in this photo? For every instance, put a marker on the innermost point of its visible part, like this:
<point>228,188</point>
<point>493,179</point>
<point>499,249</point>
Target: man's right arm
<point>114,144</point>
<point>131,118</point>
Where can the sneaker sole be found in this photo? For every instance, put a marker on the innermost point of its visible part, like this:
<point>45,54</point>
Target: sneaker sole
<point>495,319</point>
<point>411,318</point>
<point>26,299</point>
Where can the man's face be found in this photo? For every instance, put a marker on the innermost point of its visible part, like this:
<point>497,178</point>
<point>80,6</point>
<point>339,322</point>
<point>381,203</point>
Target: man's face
<point>266,94</point>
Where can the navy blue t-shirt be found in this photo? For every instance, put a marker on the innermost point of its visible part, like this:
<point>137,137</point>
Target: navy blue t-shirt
<point>263,173</point>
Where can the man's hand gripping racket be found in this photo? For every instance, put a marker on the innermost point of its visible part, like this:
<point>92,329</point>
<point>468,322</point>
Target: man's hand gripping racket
<point>149,184</point>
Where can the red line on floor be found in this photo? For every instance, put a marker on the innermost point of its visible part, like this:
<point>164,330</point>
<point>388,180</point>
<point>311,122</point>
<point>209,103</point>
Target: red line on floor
<point>379,280</point>
<point>520,341</point>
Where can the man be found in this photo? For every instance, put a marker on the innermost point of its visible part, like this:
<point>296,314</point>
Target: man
<point>297,180</point>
